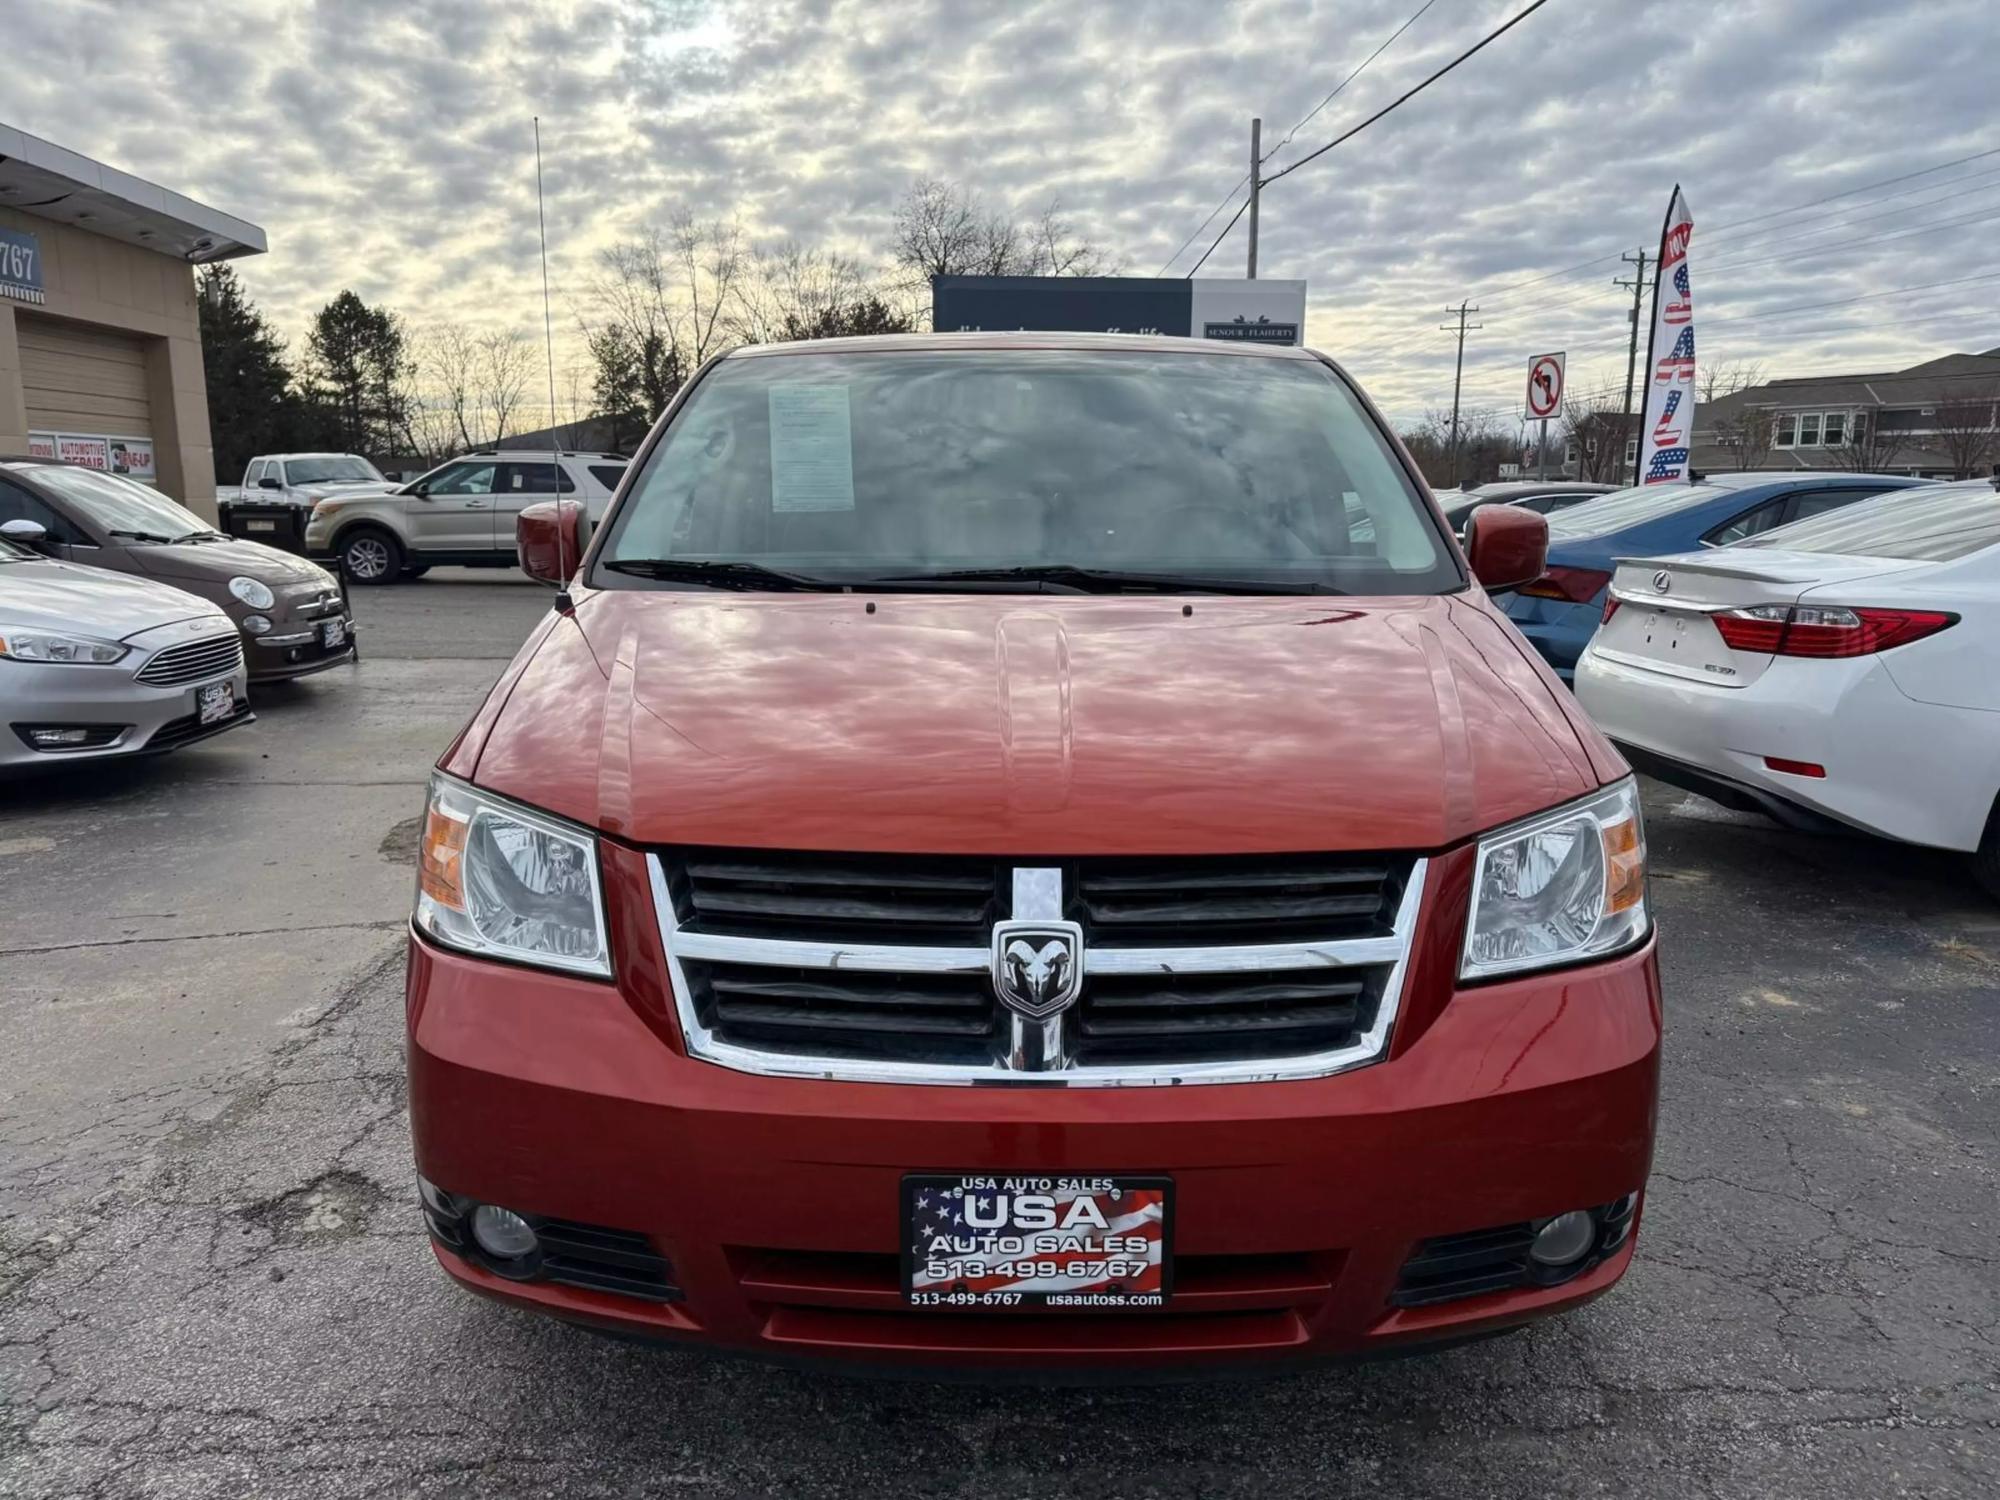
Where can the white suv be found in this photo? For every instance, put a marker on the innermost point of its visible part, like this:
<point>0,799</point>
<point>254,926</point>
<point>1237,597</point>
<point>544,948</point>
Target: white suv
<point>461,512</point>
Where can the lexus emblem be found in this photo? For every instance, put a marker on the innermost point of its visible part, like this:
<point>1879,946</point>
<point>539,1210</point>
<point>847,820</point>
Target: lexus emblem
<point>1662,581</point>
<point>1037,966</point>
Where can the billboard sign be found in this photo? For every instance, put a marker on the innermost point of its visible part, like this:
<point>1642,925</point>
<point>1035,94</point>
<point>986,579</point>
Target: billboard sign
<point>1256,312</point>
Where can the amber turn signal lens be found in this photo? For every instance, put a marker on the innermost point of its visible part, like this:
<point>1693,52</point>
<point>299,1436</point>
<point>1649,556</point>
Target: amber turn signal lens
<point>441,862</point>
<point>1624,866</point>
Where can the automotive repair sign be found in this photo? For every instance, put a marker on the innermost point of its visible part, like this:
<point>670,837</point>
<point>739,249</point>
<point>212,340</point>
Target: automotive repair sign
<point>1666,426</point>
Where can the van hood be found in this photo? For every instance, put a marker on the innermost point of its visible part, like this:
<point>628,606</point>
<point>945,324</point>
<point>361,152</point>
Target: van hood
<point>1012,724</point>
<point>218,562</point>
<point>67,597</point>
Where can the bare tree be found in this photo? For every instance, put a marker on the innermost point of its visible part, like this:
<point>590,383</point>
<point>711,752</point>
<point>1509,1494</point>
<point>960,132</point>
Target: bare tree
<point>1713,382</point>
<point>1748,433</point>
<point>1965,427</point>
<point>447,369</point>
<point>1866,448</point>
<point>1593,423</point>
<point>713,265</point>
<point>505,364</point>
<point>943,229</point>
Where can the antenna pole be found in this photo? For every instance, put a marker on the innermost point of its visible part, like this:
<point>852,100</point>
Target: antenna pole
<point>549,341</point>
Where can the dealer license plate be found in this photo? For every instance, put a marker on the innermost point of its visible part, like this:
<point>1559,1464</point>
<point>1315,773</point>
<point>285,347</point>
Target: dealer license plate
<point>214,701</point>
<point>1039,1243</point>
<point>333,633</point>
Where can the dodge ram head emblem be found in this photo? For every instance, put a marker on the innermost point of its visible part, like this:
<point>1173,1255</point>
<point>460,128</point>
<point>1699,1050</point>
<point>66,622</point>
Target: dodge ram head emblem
<point>1037,966</point>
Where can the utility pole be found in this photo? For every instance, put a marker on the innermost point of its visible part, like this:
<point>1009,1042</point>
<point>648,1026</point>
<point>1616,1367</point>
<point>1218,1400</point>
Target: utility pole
<point>1638,283</point>
<point>1458,378</point>
<point>1256,166</point>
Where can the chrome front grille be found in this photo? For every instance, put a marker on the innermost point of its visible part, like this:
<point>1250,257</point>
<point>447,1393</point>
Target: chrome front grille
<point>882,968</point>
<point>194,661</point>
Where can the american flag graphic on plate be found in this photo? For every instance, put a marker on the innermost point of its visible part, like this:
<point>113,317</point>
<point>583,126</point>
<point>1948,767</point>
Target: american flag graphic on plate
<point>1037,1242</point>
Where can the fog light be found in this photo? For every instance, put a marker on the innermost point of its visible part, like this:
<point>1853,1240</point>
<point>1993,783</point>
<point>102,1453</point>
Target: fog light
<point>256,624</point>
<point>56,739</point>
<point>502,1233</point>
<point>1564,1239</point>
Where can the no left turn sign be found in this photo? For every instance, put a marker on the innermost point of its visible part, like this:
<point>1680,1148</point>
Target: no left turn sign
<point>1545,385</point>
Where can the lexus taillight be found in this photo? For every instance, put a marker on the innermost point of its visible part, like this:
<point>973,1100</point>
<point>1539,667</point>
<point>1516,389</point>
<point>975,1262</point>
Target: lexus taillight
<point>1822,630</point>
<point>1571,585</point>
<point>1611,603</point>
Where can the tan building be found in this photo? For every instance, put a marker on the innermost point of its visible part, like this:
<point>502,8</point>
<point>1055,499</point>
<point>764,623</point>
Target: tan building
<point>100,344</point>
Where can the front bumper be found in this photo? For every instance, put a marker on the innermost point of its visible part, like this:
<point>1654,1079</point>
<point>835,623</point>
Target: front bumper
<point>776,1201</point>
<point>133,718</point>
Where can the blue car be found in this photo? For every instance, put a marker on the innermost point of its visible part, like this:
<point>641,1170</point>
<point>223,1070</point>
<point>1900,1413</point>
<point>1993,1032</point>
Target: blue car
<point>1561,610</point>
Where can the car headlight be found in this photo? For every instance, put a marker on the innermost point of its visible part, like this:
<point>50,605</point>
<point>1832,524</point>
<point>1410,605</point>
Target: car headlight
<point>252,593</point>
<point>75,650</point>
<point>498,879</point>
<point>1559,887</point>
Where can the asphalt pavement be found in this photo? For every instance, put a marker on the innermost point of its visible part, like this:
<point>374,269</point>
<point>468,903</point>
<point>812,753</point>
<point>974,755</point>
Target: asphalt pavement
<point>213,1278</point>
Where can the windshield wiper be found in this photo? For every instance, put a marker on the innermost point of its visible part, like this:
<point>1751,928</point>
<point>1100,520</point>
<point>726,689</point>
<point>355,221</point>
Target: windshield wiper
<point>200,536</point>
<point>720,575</point>
<point>139,536</point>
<point>1110,580</point>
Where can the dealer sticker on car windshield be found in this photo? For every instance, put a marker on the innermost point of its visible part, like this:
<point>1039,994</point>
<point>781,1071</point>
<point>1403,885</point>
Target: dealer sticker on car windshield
<point>1042,1244</point>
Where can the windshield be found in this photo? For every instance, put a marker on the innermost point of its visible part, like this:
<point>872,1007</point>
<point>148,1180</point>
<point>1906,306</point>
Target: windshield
<point>1604,514</point>
<point>1925,524</point>
<point>331,469</point>
<point>122,506</point>
<point>1176,469</point>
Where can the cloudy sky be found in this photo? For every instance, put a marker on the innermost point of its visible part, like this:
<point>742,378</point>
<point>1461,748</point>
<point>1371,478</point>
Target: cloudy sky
<point>384,145</point>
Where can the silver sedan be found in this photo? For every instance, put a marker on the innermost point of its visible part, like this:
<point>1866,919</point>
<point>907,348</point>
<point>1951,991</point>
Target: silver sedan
<point>97,665</point>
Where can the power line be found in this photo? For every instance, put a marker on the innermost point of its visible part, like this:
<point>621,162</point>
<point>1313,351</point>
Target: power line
<point>1289,134</point>
<point>1866,187</point>
<point>1241,208</point>
<point>1401,99</point>
<point>1243,181</point>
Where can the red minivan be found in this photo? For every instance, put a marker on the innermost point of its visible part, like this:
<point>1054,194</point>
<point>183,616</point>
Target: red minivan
<point>1032,851</point>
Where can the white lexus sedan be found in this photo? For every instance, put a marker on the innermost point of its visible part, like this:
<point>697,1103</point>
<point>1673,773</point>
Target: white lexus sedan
<point>1841,670</point>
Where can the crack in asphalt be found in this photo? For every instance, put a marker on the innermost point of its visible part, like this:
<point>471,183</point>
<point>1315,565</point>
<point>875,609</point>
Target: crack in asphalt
<point>289,930</point>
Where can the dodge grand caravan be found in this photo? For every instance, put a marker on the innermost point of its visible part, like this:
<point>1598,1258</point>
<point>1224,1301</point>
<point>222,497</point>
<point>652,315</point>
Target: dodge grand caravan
<point>1032,851</point>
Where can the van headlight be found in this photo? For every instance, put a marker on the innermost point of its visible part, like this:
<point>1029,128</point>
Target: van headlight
<point>1559,887</point>
<point>498,879</point>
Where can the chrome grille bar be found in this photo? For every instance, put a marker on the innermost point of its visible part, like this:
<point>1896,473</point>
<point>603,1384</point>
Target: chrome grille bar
<point>1037,1052</point>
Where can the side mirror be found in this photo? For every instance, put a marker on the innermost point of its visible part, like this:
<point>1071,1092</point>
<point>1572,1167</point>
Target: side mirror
<point>548,539</point>
<point>418,488</point>
<point>31,534</point>
<point>268,483</point>
<point>1507,546</point>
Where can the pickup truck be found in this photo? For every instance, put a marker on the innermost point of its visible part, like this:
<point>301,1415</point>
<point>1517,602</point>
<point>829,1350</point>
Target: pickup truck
<point>304,479</point>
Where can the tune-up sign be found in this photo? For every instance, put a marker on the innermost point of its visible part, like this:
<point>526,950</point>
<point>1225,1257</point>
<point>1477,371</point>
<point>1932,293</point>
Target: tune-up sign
<point>1545,386</point>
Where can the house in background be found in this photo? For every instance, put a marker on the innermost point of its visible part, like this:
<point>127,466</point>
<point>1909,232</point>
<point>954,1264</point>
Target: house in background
<point>1939,419</point>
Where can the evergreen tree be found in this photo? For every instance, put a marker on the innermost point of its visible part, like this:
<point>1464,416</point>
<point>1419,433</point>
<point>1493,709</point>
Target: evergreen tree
<point>357,367</point>
<point>252,407</point>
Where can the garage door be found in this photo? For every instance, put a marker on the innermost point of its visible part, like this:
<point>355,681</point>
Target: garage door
<point>83,379</point>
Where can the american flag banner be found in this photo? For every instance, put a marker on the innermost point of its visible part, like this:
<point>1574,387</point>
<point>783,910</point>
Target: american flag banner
<point>1037,1243</point>
<point>1667,425</point>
